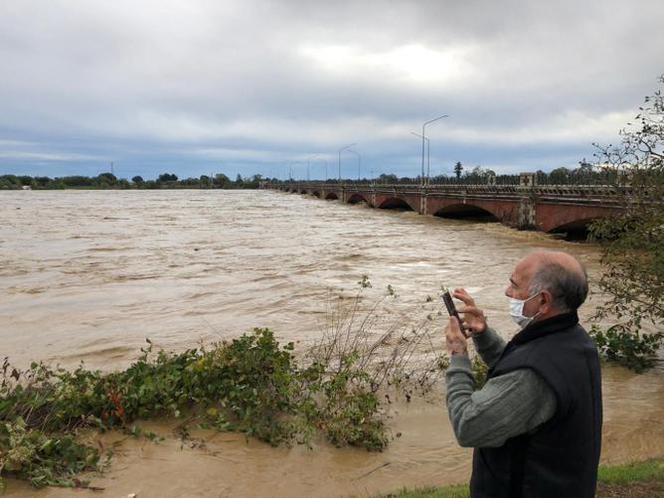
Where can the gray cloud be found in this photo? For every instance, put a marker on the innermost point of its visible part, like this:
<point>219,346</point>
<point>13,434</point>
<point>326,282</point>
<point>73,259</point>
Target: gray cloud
<point>250,84</point>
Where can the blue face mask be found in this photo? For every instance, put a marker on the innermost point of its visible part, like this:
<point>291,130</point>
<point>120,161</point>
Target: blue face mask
<point>516,311</point>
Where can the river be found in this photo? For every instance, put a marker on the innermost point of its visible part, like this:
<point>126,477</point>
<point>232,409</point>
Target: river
<point>88,275</point>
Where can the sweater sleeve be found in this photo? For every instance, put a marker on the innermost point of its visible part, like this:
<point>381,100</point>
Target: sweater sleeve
<point>508,405</point>
<point>489,345</point>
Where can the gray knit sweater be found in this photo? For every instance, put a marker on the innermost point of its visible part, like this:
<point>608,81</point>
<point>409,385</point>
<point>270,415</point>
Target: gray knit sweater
<point>508,405</point>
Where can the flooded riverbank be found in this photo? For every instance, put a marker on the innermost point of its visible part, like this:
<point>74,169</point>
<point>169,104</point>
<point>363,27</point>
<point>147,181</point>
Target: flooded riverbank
<point>425,453</point>
<point>87,276</point>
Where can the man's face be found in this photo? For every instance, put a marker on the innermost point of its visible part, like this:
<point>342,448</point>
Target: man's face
<point>520,281</point>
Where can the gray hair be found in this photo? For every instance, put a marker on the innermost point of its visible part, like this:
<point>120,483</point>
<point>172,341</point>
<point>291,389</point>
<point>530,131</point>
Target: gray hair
<point>568,286</point>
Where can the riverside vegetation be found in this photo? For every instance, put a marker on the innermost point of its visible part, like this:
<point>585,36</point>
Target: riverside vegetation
<point>335,391</point>
<point>632,242</point>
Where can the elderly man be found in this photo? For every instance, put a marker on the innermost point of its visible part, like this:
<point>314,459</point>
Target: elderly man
<point>536,424</point>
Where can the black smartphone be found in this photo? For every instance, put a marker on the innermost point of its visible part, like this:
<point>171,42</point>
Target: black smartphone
<point>451,309</point>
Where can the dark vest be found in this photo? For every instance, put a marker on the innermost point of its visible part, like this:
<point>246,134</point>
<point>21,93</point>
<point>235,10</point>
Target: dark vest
<point>560,458</point>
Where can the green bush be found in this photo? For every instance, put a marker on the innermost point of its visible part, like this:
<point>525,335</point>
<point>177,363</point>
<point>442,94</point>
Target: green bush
<point>251,384</point>
<point>349,411</point>
<point>43,460</point>
<point>626,347</point>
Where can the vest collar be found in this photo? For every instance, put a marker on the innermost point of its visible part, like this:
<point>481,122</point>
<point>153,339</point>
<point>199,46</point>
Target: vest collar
<point>551,325</point>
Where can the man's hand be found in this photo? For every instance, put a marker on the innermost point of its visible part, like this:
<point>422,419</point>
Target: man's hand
<point>455,341</point>
<point>473,317</point>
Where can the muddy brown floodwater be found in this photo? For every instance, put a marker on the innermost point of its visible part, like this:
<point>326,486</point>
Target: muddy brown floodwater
<point>87,276</point>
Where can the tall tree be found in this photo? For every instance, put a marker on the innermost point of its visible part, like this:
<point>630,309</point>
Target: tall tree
<point>458,168</point>
<point>633,241</point>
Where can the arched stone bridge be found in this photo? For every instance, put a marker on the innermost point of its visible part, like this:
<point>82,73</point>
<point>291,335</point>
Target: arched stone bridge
<point>545,208</point>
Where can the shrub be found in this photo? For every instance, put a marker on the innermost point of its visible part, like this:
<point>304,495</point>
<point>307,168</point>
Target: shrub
<point>250,384</point>
<point>42,460</point>
<point>634,350</point>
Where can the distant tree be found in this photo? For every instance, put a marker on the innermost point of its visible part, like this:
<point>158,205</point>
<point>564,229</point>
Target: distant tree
<point>138,180</point>
<point>166,177</point>
<point>458,168</point>
<point>78,181</point>
<point>42,181</point>
<point>190,182</point>
<point>11,181</point>
<point>559,176</point>
<point>221,181</point>
<point>387,179</point>
<point>106,179</point>
<point>584,173</point>
<point>253,182</point>
<point>238,179</point>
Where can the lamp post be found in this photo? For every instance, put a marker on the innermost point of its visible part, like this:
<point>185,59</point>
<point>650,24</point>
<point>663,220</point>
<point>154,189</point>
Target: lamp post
<point>428,147</point>
<point>359,163</point>
<point>340,151</point>
<point>424,125</point>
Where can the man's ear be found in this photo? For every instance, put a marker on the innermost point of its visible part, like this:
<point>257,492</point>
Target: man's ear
<point>546,301</point>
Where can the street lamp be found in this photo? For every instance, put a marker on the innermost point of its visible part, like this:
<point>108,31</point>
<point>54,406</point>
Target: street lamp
<point>424,125</point>
<point>428,147</point>
<point>340,151</point>
<point>359,163</point>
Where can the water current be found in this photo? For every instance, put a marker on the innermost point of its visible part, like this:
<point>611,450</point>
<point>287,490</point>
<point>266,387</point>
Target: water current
<point>88,275</point>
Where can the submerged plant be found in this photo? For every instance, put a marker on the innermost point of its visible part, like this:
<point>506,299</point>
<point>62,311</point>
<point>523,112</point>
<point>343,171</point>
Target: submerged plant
<point>43,460</point>
<point>250,384</point>
<point>634,350</point>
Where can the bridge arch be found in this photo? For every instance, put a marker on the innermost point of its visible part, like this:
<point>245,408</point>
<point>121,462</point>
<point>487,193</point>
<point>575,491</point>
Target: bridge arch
<point>573,220</point>
<point>396,203</point>
<point>331,196</point>
<point>575,230</point>
<point>466,211</point>
<point>356,198</point>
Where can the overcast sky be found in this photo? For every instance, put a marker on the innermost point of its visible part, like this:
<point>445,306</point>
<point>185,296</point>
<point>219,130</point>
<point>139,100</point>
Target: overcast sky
<point>239,86</point>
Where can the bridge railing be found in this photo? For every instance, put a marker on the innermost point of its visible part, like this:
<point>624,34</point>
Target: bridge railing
<point>445,186</point>
<point>561,176</point>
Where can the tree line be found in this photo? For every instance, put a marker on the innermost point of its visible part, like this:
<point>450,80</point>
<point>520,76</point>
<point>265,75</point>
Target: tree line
<point>585,174</point>
<point>110,181</point>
